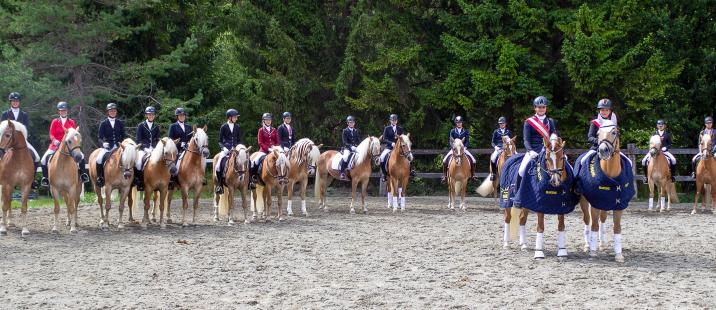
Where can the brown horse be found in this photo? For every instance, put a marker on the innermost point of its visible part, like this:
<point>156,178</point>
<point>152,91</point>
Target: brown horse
<point>610,163</point>
<point>458,174</point>
<point>191,174</point>
<point>15,155</point>
<point>705,174</point>
<point>157,172</point>
<point>399,172</point>
<point>236,177</point>
<point>274,173</point>
<point>64,178</point>
<point>303,157</point>
<point>368,150</point>
<point>659,174</point>
<point>118,174</point>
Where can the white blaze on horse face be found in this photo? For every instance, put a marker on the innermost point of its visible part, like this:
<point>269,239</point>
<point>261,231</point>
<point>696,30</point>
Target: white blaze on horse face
<point>129,155</point>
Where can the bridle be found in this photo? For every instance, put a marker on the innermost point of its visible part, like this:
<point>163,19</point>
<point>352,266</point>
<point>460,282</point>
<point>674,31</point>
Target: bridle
<point>11,143</point>
<point>280,177</point>
<point>553,157</point>
<point>199,150</point>
<point>240,169</point>
<point>403,152</point>
<point>611,144</point>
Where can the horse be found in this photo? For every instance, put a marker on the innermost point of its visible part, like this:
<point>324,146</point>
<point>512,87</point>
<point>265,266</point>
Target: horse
<point>273,173</point>
<point>458,174</point>
<point>705,174</point>
<point>191,173</point>
<point>303,157</point>
<point>367,150</point>
<point>488,186</point>
<point>64,178</point>
<point>157,172</point>
<point>15,155</point>
<point>399,172</point>
<point>118,174</point>
<point>235,177</point>
<point>611,185</point>
<point>557,198</point>
<point>659,174</point>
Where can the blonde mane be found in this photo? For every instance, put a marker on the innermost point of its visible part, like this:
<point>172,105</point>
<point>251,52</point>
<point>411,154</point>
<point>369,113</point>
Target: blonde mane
<point>129,155</point>
<point>18,126</point>
<point>364,148</point>
<point>167,147</point>
<point>655,142</point>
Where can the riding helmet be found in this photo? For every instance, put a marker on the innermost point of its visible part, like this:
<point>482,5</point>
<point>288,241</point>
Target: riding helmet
<point>266,116</point>
<point>286,114</point>
<point>660,122</point>
<point>179,111</point>
<point>540,101</point>
<point>393,117</point>
<point>14,96</point>
<point>605,104</point>
<point>350,118</point>
<point>231,112</point>
<point>459,119</point>
<point>111,106</point>
<point>502,120</point>
<point>62,106</point>
<point>150,110</point>
<point>708,119</point>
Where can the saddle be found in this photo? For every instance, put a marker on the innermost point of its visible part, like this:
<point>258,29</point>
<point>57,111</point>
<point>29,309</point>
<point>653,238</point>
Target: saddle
<point>145,159</point>
<point>104,158</point>
<point>256,169</point>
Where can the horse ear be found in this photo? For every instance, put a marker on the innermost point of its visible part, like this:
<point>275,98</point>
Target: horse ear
<point>177,141</point>
<point>380,138</point>
<point>249,148</point>
<point>463,140</point>
<point>563,143</point>
<point>77,129</point>
<point>193,128</point>
<point>408,135</point>
<point>514,138</point>
<point>205,128</point>
<point>320,145</point>
<point>10,124</point>
<point>65,130</point>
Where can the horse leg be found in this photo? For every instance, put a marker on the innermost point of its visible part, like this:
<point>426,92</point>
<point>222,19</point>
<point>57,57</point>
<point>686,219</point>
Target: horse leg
<point>289,209</point>
<point>618,236</point>
<point>267,202</point>
<point>584,206</point>
<point>667,191</point>
<point>662,199</point>
<point>217,197</point>
<point>561,237</point>
<point>463,204</point>
<point>354,186</point>
<point>402,191</point>
<point>594,232</point>
<point>699,188</point>
<point>539,241</point>
<point>394,193</point>
<point>363,194</point>
<point>279,216</point>
<point>6,204</point>
<point>651,195</point>
<point>603,229</point>
<point>71,202</point>
<point>122,200</point>
<point>69,215</point>
<point>56,201</point>
<point>130,204</point>
<point>506,231</point>
<point>244,204</point>
<point>451,195</point>
<point>101,204</point>
<point>523,229</point>
<point>184,204</point>
<point>147,196</point>
<point>168,207</point>
<point>304,184</point>
<point>108,206</point>
<point>230,221</point>
<point>162,200</point>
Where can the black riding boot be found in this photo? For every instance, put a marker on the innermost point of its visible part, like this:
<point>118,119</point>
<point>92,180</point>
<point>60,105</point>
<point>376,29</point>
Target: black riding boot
<point>412,170</point>
<point>139,179</point>
<point>472,172</point>
<point>100,175</point>
<point>694,164</point>
<point>173,181</point>
<point>344,165</point>
<point>445,170</point>
<point>44,182</point>
<point>493,170</point>
<point>384,172</point>
<point>646,172</point>
<point>253,177</point>
<point>219,187</point>
<point>82,170</point>
<point>672,169</point>
<point>35,184</point>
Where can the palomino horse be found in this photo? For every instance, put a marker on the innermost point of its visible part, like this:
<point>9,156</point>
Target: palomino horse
<point>304,157</point>
<point>235,177</point>
<point>555,167</point>
<point>457,174</point>
<point>157,172</point>
<point>659,174</point>
<point>705,174</point>
<point>192,171</point>
<point>367,150</point>
<point>17,169</point>
<point>63,176</point>
<point>273,173</point>
<point>399,172</point>
<point>118,174</point>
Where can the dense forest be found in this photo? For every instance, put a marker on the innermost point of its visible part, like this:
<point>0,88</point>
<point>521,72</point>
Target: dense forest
<point>323,60</point>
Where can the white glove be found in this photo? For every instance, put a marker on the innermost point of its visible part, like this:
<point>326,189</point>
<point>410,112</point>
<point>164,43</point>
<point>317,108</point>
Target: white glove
<point>224,149</point>
<point>663,149</point>
<point>56,142</point>
<point>183,145</point>
<point>393,144</point>
<point>353,148</point>
<point>497,148</point>
<point>532,154</point>
<point>105,145</point>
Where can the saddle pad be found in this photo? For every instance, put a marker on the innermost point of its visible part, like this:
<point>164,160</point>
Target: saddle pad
<point>603,192</point>
<point>259,167</point>
<point>336,161</point>
<point>538,195</point>
<point>508,179</point>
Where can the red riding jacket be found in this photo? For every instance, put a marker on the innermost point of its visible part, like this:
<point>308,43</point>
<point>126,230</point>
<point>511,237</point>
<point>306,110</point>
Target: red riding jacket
<point>57,132</point>
<point>267,138</point>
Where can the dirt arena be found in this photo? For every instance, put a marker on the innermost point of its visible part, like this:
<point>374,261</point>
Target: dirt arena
<point>427,257</point>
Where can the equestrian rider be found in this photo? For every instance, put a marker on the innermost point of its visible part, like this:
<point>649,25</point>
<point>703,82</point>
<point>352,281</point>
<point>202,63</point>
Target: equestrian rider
<point>458,133</point>
<point>390,135</point>
<point>181,131</point>
<point>605,109</point>
<point>286,133</point>
<point>708,129</point>
<point>665,146</point>
<point>148,135</point>
<point>110,134</point>
<point>536,129</point>
<point>351,139</point>
<point>20,116</point>
<point>497,143</point>
<point>268,137</point>
<point>57,132</point>
<point>230,136</point>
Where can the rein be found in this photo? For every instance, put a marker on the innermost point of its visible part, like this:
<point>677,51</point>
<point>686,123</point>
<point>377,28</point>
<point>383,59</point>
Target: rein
<point>198,149</point>
<point>12,143</point>
<point>277,175</point>
<point>234,155</point>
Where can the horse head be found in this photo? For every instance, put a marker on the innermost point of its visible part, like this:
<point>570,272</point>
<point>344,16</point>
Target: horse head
<point>509,146</point>
<point>73,143</point>
<point>554,160</point>
<point>705,145</point>
<point>201,140</point>
<point>458,150</point>
<point>240,155</point>
<point>402,145</point>
<point>608,137</point>
<point>281,163</point>
<point>128,157</point>
<point>169,153</point>
<point>654,145</point>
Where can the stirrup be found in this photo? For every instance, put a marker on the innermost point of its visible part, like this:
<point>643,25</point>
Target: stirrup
<point>84,178</point>
<point>35,185</point>
<point>413,173</point>
<point>100,181</point>
<point>44,182</point>
<point>252,185</point>
<point>492,177</point>
<point>443,179</point>
<point>219,189</point>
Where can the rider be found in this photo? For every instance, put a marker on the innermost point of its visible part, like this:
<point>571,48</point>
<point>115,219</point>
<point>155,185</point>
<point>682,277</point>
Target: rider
<point>351,139</point>
<point>20,116</point>
<point>390,135</point>
<point>665,146</point>
<point>148,135</point>
<point>536,129</point>
<point>183,132</point>
<point>57,132</point>
<point>708,122</point>
<point>497,143</point>
<point>267,137</point>
<point>458,133</point>
<point>605,109</point>
<point>230,136</point>
<point>286,133</point>
<point>110,134</point>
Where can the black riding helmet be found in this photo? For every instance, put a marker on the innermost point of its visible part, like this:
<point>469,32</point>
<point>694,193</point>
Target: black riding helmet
<point>231,112</point>
<point>179,111</point>
<point>14,96</point>
<point>605,104</point>
<point>62,106</point>
<point>111,106</point>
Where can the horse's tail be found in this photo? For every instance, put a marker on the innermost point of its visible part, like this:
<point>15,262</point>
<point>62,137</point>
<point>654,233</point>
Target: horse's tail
<point>318,182</point>
<point>486,187</point>
<point>672,193</point>
<point>224,203</point>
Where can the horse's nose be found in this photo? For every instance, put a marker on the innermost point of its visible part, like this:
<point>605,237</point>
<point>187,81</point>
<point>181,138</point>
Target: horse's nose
<point>127,175</point>
<point>173,169</point>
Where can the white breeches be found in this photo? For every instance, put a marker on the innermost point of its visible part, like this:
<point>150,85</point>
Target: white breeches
<point>525,160</point>
<point>669,157</point>
<point>255,161</point>
<point>46,155</point>
<point>494,155</point>
<point>36,157</point>
<point>140,157</point>
<point>469,155</point>
<point>384,155</point>
<point>217,165</point>
<point>345,154</point>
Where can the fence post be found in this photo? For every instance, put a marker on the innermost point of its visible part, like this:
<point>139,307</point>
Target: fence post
<point>631,153</point>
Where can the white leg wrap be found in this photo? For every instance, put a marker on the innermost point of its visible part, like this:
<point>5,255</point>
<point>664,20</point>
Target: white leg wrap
<point>602,232</point>
<point>506,233</point>
<point>303,207</point>
<point>662,202</point>
<point>539,246</point>
<point>289,210</point>
<point>390,198</point>
<point>395,203</point>
<point>523,235</point>
<point>617,243</point>
<point>651,203</point>
<point>402,202</point>
<point>586,233</point>
<point>561,244</point>
<point>593,241</point>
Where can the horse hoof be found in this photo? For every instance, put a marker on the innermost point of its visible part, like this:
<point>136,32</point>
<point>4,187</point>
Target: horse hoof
<point>163,226</point>
<point>169,221</point>
<point>10,224</point>
<point>144,226</point>
<point>25,232</point>
<point>506,245</point>
<point>73,230</point>
<point>539,254</point>
<point>3,231</point>
<point>619,258</point>
<point>562,253</point>
<point>54,231</point>
<point>592,254</point>
<point>305,214</point>
<point>693,212</point>
<point>120,226</point>
<point>353,211</point>
<point>216,219</point>
<point>365,211</point>
<point>523,247</point>
<point>395,209</point>
<point>246,222</point>
<point>185,224</point>
<point>586,248</point>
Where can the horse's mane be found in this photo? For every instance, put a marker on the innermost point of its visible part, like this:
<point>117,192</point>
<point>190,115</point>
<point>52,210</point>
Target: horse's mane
<point>457,143</point>
<point>655,141</point>
<point>129,154</point>
<point>362,150</point>
<point>406,140</point>
<point>159,150</point>
<point>18,126</point>
<point>201,137</point>
<point>300,149</point>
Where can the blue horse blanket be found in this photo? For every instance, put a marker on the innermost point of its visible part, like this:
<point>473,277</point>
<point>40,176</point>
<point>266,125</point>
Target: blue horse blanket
<point>508,180</point>
<point>538,195</point>
<point>603,192</point>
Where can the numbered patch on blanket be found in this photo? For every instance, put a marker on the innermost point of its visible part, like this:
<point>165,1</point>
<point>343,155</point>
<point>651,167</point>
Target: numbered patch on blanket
<point>603,192</point>
<point>508,179</point>
<point>538,195</point>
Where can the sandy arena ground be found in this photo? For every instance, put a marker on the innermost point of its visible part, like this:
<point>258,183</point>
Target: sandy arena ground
<point>427,257</point>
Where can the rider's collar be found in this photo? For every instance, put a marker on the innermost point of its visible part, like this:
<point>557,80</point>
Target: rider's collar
<point>541,118</point>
